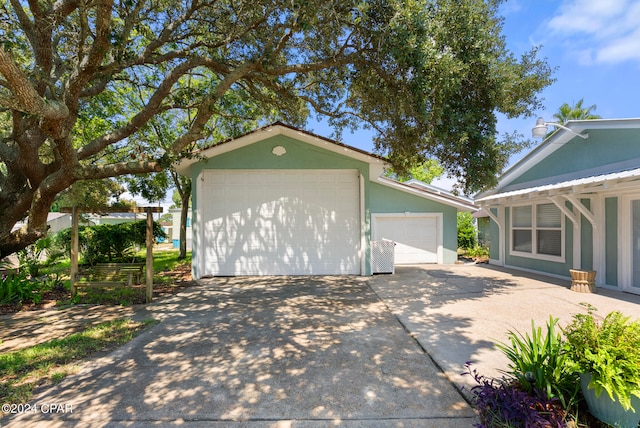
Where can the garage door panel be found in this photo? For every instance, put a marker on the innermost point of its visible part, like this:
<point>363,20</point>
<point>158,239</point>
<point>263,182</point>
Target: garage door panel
<point>416,236</point>
<point>281,223</point>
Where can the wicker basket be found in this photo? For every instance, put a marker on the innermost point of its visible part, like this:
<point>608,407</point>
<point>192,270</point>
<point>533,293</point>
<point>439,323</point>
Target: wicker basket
<point>583,281</point>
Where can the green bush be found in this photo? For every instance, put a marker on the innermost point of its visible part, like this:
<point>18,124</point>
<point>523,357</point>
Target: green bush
<point>30,258</point>
<point>477,251</point>
<point>609,351</point>
<point>19,288</point>
<point>109,242</point>
<point>466,230</point>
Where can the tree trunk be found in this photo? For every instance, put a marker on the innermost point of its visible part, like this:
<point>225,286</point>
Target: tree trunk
<point>184,211</point>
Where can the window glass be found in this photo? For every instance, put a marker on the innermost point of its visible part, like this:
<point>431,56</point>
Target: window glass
<point>522,241</point>
<point>522,216</point>
<point>549,242</point>
<point>548,215</point>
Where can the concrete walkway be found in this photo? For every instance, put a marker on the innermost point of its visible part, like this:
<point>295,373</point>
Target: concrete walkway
<point>458,312</point>
<point>384,351</point>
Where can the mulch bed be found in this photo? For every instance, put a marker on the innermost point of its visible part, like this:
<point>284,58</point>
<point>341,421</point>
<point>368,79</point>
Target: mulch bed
<point>176,280</point>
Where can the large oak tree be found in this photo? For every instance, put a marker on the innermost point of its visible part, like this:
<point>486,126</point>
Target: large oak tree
<point>81,81</point>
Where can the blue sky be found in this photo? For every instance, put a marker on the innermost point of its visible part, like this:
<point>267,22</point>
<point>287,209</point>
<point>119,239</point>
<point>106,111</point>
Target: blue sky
<point>595,46</point>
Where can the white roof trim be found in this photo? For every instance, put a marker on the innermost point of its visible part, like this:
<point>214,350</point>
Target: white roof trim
<point>582,185</point>
<point>184,166</point>
<point>443,197</point>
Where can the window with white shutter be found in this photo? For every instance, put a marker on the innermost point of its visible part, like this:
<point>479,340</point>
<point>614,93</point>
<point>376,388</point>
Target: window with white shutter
<point>537,231</point>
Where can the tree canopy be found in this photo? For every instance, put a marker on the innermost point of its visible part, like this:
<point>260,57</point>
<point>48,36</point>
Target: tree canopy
<point>81,83</point>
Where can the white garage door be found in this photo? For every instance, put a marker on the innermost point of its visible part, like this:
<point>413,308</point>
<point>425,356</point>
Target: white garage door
<point>417,237</point>
<point>280,222</point>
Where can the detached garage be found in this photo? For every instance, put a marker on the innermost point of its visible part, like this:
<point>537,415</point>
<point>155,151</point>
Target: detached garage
<point>282,201</point>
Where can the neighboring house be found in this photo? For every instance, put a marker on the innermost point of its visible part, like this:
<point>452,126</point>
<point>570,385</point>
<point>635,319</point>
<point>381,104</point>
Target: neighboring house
<point>282,201</point>
<point>114,218</point>
<point>175,229</point>
<point>55,222</point>
<point>572,203</point>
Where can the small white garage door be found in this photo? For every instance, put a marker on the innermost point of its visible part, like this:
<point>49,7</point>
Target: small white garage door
<point>280,222</point>
<point>417,236</point>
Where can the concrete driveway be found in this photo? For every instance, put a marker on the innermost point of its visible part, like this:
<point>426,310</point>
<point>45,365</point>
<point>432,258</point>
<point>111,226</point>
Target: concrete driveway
<point>262,352</point>
<point>384,351</point>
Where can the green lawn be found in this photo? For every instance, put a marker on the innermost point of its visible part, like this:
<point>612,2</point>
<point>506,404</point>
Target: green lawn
<point>48,363</point>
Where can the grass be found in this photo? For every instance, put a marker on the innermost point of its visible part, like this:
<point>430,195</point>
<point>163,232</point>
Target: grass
<point>48,363</point>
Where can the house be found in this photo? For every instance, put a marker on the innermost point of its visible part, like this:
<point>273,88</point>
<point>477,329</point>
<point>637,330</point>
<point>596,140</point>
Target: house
<point>175,228</point>
<point>283,201</point>
<point>55,222</point>
<point>96,219</point>
<point>572,203</point>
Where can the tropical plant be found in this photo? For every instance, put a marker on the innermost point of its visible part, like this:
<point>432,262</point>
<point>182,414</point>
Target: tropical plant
<point>30,258</point>
<point>566,112</point>
<point>608,350</point>
<point>19,288</point>
<point>539,362</point>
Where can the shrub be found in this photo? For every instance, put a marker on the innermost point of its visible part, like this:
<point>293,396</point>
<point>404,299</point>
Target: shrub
<point>609,351</point>
<point>466,230</point>
<point>19,288</point>
<point>109,242</point>
<point>477,251</point>
<point>30,258</point>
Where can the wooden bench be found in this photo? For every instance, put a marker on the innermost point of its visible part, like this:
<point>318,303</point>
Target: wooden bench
<point>110,275</point>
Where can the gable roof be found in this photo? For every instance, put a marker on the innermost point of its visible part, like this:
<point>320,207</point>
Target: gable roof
<point>184,166</point>
<point>548,146</point>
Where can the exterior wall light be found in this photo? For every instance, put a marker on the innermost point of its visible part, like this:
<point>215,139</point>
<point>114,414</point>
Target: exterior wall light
<point>541,128</point>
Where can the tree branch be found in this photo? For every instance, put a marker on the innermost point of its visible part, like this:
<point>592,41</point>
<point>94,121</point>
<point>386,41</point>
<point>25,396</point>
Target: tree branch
<point>92,172</point>
<point>143,116</point>
<point>25,98</point>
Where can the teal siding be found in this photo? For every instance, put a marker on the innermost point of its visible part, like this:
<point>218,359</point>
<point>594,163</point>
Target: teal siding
<point>579,156</point>
<point>586,239</point>
<point>383,199</point>
<point>611,240</point>
<point>299,155</point>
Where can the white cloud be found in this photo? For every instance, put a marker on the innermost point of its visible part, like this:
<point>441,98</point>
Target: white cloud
<point>597,31</point>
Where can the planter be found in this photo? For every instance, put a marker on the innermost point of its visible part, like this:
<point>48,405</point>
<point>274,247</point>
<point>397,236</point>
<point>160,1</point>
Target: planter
<point>583,281</point>
<point>608,410</point>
